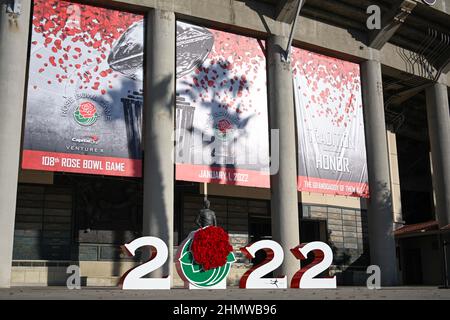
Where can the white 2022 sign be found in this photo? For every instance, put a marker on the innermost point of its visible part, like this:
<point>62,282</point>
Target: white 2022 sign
<point>305,278</point>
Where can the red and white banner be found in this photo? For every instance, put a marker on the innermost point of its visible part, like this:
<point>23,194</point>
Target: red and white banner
<point>222,133</point>
<point>330,125</point>
<point>52,161</point>
<point>84,102</point>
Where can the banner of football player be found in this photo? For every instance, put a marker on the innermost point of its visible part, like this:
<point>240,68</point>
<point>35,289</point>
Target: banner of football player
<point>330,125</point>
<point>221,108</point>
<point>84,104</point>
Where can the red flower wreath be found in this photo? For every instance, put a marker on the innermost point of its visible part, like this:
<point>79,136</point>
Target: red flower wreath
<point>210,247</point>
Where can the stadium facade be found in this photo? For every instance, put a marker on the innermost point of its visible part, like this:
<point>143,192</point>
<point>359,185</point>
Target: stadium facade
<point>349,129</point>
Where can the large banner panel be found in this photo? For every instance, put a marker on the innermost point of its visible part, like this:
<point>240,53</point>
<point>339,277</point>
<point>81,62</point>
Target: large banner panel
<point>84,101</point>
<point>330,125</point>
<point>222,133</point>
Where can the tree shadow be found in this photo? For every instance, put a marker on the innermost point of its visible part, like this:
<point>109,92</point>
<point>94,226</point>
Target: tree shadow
<point>215,86</point>
<point>350,264</point>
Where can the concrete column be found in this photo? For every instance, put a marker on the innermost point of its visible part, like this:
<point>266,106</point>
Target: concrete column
<point>13,62</point>
<point>439,132</point>
<point>433,180</point>
<point>284,204</point>
<point>380,219</point>
<point>395,180</point>
<point>158,130</point>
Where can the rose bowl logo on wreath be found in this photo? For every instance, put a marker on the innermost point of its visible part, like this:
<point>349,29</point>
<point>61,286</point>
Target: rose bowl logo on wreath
<point>86,114</point>
<point>224,129</point>
<point>205,258</point>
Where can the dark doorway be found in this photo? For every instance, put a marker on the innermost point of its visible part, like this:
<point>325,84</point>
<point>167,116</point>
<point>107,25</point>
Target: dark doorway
<point>413,266</point>
<point>259,229</point>
<point>312,230</point>
<point>415,179</point>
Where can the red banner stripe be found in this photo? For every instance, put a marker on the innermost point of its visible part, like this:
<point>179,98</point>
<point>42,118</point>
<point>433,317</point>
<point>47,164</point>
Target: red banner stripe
<point>229,176</point>
<point>77,163</point>
<point>327,186</point>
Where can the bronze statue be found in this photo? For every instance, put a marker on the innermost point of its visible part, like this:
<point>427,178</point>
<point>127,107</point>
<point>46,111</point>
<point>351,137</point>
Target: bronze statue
<point>206,217</point>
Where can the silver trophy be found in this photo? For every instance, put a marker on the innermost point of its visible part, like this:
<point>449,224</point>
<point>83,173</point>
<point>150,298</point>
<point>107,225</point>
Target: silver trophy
<point>193,47</point>
<point>127,57</point>
<point>127,54</point>
<point>194,44</point>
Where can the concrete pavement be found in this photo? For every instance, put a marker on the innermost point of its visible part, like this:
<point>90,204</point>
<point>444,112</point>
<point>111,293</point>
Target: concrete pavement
<point>342,293</point>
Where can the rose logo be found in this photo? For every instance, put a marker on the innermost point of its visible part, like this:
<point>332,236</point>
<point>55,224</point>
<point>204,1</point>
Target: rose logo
<point>224,125</point>
<point>224,128</point>
<point>86,114</point>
